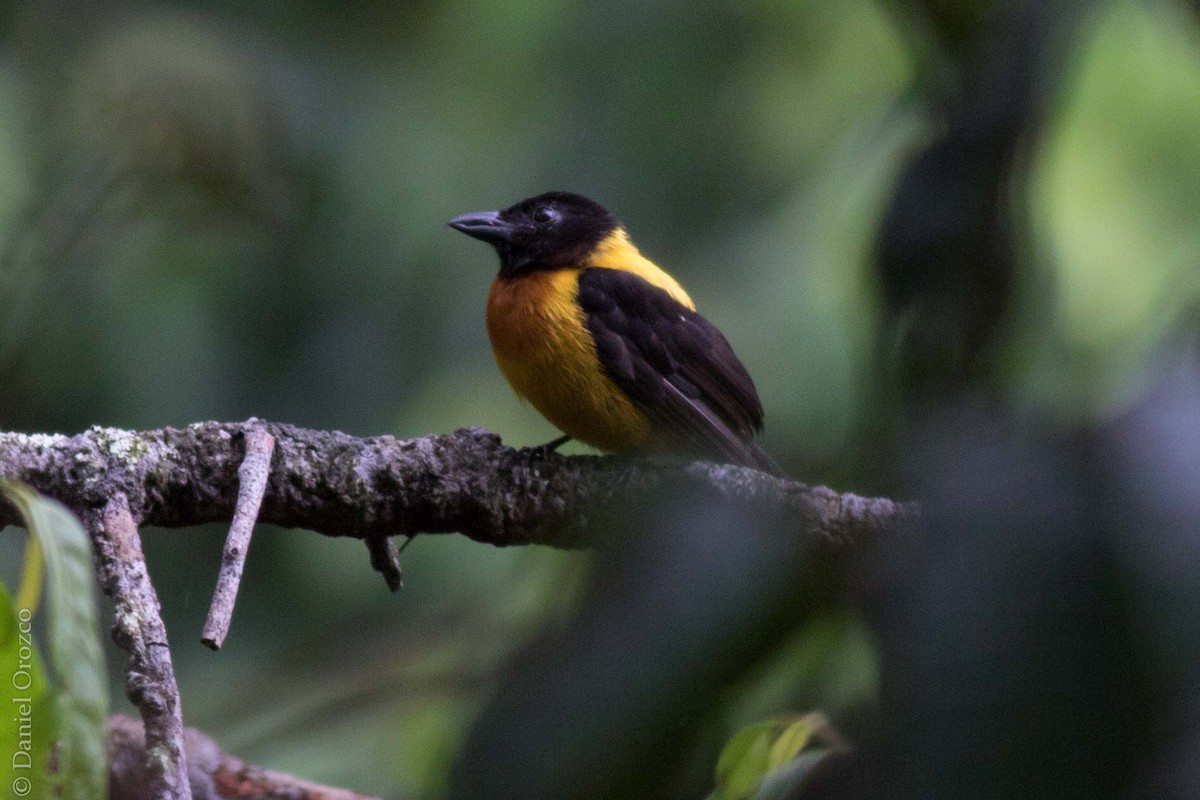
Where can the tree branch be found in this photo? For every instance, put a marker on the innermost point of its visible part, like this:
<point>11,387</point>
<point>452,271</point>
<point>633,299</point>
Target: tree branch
<point>339,485</point>
<point>215,775</point>
<point>342,485</point>
<point>138,630</point>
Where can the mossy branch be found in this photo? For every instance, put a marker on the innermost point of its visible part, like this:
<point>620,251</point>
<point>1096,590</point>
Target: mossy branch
<point>374,487</point>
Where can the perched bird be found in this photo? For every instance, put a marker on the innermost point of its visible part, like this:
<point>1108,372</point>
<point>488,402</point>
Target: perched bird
<point>604,343</point>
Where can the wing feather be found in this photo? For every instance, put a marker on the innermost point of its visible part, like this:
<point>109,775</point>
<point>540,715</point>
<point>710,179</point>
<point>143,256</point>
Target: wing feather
<point>675,365</point>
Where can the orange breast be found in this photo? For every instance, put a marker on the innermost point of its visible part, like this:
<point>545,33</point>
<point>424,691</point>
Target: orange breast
<point>545,351</point>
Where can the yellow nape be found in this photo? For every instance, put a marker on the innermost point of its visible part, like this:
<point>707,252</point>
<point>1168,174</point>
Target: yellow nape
<point>617,251</point>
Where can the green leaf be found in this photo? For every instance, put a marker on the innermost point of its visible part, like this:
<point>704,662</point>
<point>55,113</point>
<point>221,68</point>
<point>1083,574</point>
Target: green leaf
<point>795,737</point>
<point>745,759</point>
<point>25,744</point>
<point>31,577</point>
<point>80,686</point>
<point>762,757</point>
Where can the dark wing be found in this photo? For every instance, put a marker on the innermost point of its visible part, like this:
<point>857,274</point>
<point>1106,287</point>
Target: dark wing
<point>675,365</point>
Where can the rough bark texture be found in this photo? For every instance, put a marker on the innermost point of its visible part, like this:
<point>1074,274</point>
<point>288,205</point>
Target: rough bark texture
<point>138,630</point>
<point>342,485</point>
<point>215,775</point>
<point>252,483</point>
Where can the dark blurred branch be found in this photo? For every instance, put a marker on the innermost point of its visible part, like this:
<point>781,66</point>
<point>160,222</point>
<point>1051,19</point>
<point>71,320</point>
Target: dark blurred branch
<point>35,262</point>
<point>948,244</point>
<point>367,488</point>
<point>138,630</point>
<point>215,775</point>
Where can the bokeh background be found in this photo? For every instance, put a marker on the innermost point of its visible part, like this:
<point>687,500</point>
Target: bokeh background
<point>953,240</point>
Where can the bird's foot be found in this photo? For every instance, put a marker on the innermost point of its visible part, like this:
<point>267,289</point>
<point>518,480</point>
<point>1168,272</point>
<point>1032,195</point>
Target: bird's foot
<point>544,450</point>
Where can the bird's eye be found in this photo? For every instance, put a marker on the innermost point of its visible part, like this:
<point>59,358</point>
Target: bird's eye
<point>543,214</point>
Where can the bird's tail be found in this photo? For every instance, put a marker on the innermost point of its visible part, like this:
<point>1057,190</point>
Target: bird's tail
<point>761,460</point>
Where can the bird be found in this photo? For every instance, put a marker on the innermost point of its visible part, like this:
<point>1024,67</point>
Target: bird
<point>605,343</point>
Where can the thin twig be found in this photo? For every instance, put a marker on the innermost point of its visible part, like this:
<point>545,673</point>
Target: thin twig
<point>385,559</point>
<point>252,484</point>
<point>138,630</point>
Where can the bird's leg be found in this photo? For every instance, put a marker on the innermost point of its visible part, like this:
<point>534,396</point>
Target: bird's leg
<point>549,447</point>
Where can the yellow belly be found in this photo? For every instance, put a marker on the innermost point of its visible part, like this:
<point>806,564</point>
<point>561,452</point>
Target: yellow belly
<point>545,351</point>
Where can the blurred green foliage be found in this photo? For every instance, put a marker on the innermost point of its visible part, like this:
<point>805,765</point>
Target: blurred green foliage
<point>765,752</point>
<point>29,704</point>
<point>238,209</point>
<point>69,712</point>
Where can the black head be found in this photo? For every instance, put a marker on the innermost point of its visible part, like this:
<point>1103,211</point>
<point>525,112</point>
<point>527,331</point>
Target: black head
<point>550,231</point>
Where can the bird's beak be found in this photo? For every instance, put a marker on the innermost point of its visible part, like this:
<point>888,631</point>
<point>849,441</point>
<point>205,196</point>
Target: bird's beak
<point>485,226</point>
